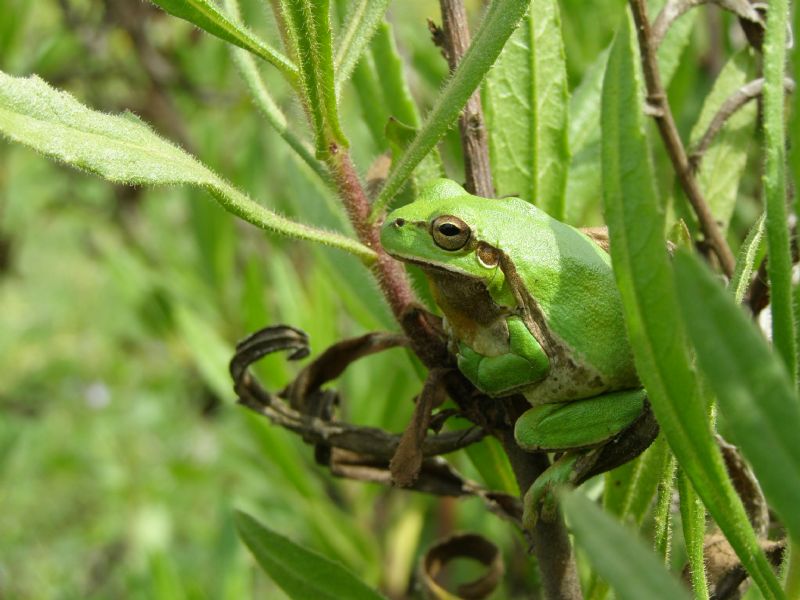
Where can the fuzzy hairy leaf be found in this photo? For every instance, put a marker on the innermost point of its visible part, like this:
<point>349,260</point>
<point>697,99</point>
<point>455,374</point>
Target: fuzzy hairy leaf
<point>779,266</point>
<point>754,392</point>
<point>526,111</point>
<point>750,255</point>
<point>644,276</point>
<point>360,24</point>
<point>123,149</point>
<point>310,32</point>
<point>206,15</point>
<point>632,569</point>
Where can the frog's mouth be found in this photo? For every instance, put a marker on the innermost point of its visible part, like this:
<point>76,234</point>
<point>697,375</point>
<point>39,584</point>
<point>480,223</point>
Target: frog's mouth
<point>434,267</point>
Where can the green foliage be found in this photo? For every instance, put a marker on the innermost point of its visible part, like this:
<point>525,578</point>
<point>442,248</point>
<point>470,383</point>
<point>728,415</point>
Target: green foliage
<point>120,307</point>
<point>360,24</point>
<point>780,261</point>
<point>632,569</point>
<point>723,164</point>
<point>300,573</point>
<point>208,17</point>
<point>309,30</point>
<point>124,149</point>
<point>754,390</point>
<point>526,112</point>
<point>651,305</point>
<point>497,25</point>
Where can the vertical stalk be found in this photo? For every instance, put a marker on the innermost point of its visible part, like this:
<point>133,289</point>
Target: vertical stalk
<point>472,125</point>
<point>657,99</point>
<point>550,541</point>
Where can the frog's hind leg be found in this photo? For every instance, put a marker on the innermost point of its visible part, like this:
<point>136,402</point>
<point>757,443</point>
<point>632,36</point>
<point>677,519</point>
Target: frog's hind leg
<point>540,501</point>
<point>579,429</point>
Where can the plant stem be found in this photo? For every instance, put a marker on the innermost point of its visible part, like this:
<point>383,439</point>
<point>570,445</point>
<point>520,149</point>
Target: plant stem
<point>550,541</point>
<point>657,99</point>
<point>390,274</point>
<point>474,141</point>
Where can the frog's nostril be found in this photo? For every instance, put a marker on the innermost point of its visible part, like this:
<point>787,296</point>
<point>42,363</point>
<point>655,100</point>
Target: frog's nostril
<point>399,222</point>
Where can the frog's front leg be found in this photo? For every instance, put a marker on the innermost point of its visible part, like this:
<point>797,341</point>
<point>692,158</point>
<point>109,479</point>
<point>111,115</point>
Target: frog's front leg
<point>578,428</point>
<point>525,363</point>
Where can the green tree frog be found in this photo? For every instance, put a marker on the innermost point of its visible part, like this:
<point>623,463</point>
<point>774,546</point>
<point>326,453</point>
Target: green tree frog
<point>531,307</point>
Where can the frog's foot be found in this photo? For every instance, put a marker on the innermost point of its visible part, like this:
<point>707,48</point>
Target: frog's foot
<point>525,362</point>
<point>579,428</point>
<point>540,500</point>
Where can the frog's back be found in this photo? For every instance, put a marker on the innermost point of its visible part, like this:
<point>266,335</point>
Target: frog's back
<point>572,280</point>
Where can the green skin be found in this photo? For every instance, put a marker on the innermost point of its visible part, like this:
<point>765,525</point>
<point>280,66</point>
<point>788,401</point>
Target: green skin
<point>531,307</point>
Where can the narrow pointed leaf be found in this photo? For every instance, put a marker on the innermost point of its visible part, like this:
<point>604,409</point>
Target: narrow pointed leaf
<point>263,100</point>
<point>622,559</point>
<point>300,572</point>
<point>392,77</point>
<point>360,24</point>
<point>526,111</point>
<point>206,15</point>
<point>498,23</point>
<point>750,256</point>
<point>310,31</point>
<point>693,519</point>
<point>123,149</point>
<point>643,272</point>
<point>754,391</point>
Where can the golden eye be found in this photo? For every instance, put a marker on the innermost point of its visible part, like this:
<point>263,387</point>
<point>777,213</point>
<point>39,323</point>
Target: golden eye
<point>450,233</point>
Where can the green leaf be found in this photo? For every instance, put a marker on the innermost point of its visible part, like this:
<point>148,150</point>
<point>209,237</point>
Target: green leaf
<point>584,181</point>
<point>674,44</point>
<point>124,149</point>
<point>499,22</point>
<point>620,557</point>
<point>309,27</point>
<point>779,265</point>
<point>492,463</point>
<point>209,351</point>
<point>754,392</point>
<point>650,302</point>
<point>750,256</point>
<point>208,17</point>
<point>399,136</point>
<point>360,24</point>
<point>630,496</point>
<point>263,100</point>
<point>693,519</point>
<point>301,573</point>
<point>391,76</point>
<point>526,112</point>
<point>723,163</point>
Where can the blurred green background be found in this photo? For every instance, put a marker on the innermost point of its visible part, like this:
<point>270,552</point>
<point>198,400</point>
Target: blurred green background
<point>122,452</point>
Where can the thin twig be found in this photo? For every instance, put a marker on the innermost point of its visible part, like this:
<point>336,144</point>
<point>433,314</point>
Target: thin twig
<point>673,9</point>
<point>660,110</point>
<point>364,440</point>
<point>474,140</point>
<point>735,101</point>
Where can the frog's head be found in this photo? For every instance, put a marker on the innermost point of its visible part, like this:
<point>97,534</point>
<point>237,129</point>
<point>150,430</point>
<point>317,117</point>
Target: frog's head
<point>447,228</point>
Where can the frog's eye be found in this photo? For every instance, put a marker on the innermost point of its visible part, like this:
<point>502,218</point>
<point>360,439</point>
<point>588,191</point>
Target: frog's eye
<point>450,233</point>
